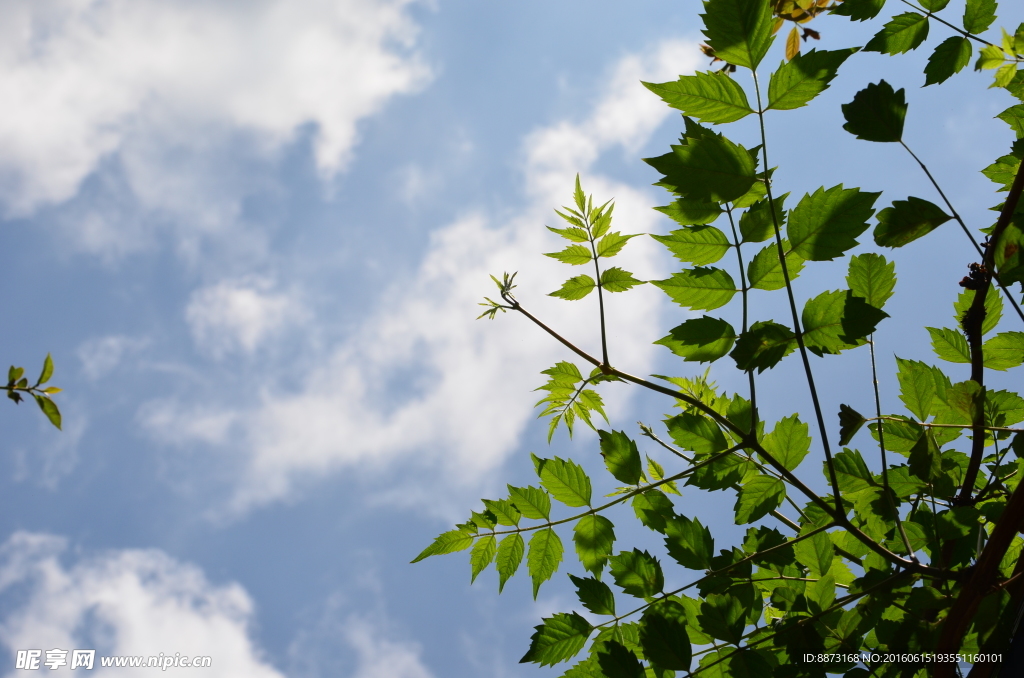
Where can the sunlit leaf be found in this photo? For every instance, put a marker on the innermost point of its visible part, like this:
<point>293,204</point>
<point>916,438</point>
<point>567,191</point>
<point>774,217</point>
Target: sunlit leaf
<point>707,169</point>
<point>701,288</point>
<point>757,497</point>
<point>764,272</point>
<point>950,345</point>
<point>508,558</point>
<point>594,536</point>
<point>789,442</point>
<point>621,456</point>
<point>557,639</point>
<point>482,554</point>
<point>900,34</point>
<point>836,321</point>
<point>815,553</point>
<point>447,542</point>
<point>566,481</point>
<point>615,279</point>
<point>544,556</point>
<point>872,278</point>
<point>826,223</point>
<point>704,339</point>
<point>698,245</point>
<point>689,542</point>
<point>804,77</point>
<point>740,31</point>
<point>979,15</point>
<point>709,97</point>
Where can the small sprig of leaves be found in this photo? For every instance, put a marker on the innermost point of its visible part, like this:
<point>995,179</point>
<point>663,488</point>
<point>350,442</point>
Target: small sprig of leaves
<point>505,286</point>
<point>17,384</point>
<point>568,397</point>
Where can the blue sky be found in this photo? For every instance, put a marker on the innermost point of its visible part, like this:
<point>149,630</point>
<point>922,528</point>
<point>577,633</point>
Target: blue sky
<point>253,235</point>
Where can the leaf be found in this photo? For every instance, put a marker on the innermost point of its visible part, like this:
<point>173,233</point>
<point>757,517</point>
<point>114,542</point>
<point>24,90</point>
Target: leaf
<point>925,459</point>
<point>872,278</point>
<point>1005,350</point>
<point>949,57</point>
<point>701,288</point>
<point>638,573</point>
<point>836,321</point>
<point>788,443</point>
<point>573,254</point>
<point>687,212</point>
<point>859,10</point>
<point>594,536</point>
<point>850,421</point>
<point>815,553</point>
<point>876,113</point>
<point>1014,117</point>
<point>49,408</point>
<point>851,472</point>
<point>979,15</point>
<point>1009,255</point>
<point>621,456</point>
<point>989,57</point>
<point>804,77</point>
<point>757,224</point>
<point>907,220</point>
<point>504,511</point>
<point>739,31</point>
<point>950,345</point>
<point>566,481</point>
<point>704,339</point>
<point>934,5</point>
<point>544,556</point>
<point>653,508</point>
<point>757,498</point>
<point>47,372</point>
<point>993,309</point>
<point>1003,171</point>
<point>764,272</point>
<point>532,502</point>
<point>657,473</point>
<point>557,639</point>
<point>575,288</point>
<point>707,169</point>
<point>900,34</point>
<point>481,555</point>
<point>709,97</point>
<point>722,616</point>
<point>612,243</point>
<point>697,433</point>
<point>917,387</point>
<point>763,346</point>
<point>447,542</point>
<point>698,245</point>
<point>616,661</point>
<point>826,224</point>
<point>510,554</point>
<point>595,595</point>
<point>615,279</point>
<point>663,636</point>
<point>689,543</point>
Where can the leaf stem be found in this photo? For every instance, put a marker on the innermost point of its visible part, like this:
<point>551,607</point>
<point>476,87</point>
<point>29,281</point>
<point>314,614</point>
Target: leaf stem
<point>930,15</point>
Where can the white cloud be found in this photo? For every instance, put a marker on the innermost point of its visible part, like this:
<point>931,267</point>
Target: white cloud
<point>129,602</point>
<point>422,382</point>
<point>101,355</point>
<point>240,315</point>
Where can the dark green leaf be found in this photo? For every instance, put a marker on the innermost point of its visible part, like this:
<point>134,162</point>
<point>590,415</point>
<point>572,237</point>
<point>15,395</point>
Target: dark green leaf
<point>815,553</point>
<point>447,542</point>
<point>747,663</point>
<point>709,97</point>
<point>907,220</point>
<point>900,34</point>
<point>757,224</point>
<point>653,508</point>
<point>950,345</point>
<point>663,636</point>
<point>722,616</point>
<point>872,278</point>
<point>621,456</point>
<point>852,472</point>
<point>698,245</point>
<point>566,481</point>
<point>859,10</point>
<point>876,113</point>
<point>836,321</point>
<point>594,536</point>
<point>481,555</point>
<point>615,279</point>
<point>544,556</point>
<point>979,15</point>
<point>697,433</point>
<point>616,661</point>
<point>934,5</point>
<point>687,212</point>
<point>757,497</point>
<point>595,595</point>
<point>1005,350</point>
<point>1009,255</point>
<point>689,542</point>
<point>510,554</point>
<point>763,346</point>
<point>575,288</point>
<point>740,31</point>
<point>850,421</point>
<point>708,169</point>
<point>804,77</point>
<point>637,572</point>
<point>826,224</point>
<point>704,339</point>
<point>532,502</point>
<point>925,459</point>
<point>788,443</point>
<point>701,288</point>
<point>900,436</point>
<point>557,639</point>
<point>764,272</point>
<point>949,57</point>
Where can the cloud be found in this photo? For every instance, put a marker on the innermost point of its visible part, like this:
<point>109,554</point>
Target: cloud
<point>128,602</point>
<point>423,384</point>
<point>101,355</point>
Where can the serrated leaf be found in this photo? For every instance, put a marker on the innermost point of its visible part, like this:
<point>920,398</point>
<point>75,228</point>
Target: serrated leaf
<point>1009,255</point>
<point>508,558</point>
<point>573,254</point>
<point>934,5</point>
<point>617,661</point>
<point>698,245</point>
<point>544,556</point>
<point>482,554</point>
<point>757,498</point>
<point>594,536</point>
<point>852,472</point>
<point>1014,117</point>
<point>859,10</point>
<point>557,639</point>
<point>504,511</point>
<point>637,573</point>
<point>907,220</point>
<point>653,508</point>
<point>707,169</point>
<point>621,456</point>
<point>804,77</point>
<point>566,481</point>
<point>825,224</point>
<point>837,321</point>
<point>704,339</point>
<point>950,345</point>
<point>949,57</point>
<point>697,433</point>
<point>573,233</point>
<point>740,31</point>
<point>689,542</point>
<point>979,15</point>
<point>446,542</point>
<point>709,97</point>
<point>990,57</point>
<point>1004,76</point>
<point>757,224</point>
<point>1005,350</point>
<point>917,387</point>
<point>993,309</point>
<point>532,502</point>
<point>900,34</point>
<point>687,212</point>
<point>788,443</point>
<point>722,616</point>
<point>612,243</point>
<point>701,288</point>
<point>872,278</point>
<point>575,288</point>
<point>595,595</point>
<point>615,279</point>
<point>663,636</point>
<point>815,553</point>
<point>925,459</point>
<point>850,421</point>
<point>763,346</point>
<point>876,113</point>
<point>764,272</point>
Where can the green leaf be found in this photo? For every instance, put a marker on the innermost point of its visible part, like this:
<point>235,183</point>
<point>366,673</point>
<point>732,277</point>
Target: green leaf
<point>638,573</point>
<point>704,339</point>
<point>950,345</point>
<point>872,278</point>
<point>979,15</point>
<point>663,636</point>
<point>709,97</point>
<point>595,595</point>
<point>757,498</point>
<point>594,536</point>
<point>575,288</point>
<point>573,233</point>
<point>566,481</point>
<point>826,224</point>
<point>1014,117</point>
<point>532,502</point>
<point>504,511</point>
<point>1003,171</point>
<point>482,554</point>
<point>510,554</point>
<point>615,279</point>
<point>804,77</point>
<point>850,421</point>
<point>1005,350</point>
<point>573,254</point>
<point>697,433</point>
<point>621,456</point>
<point>722,616</point>
<point>1009,254</point>
<point>657,473</point>
<point>917,387</point>
<point>557,639</point>
<point>993,309</point>
<point>907,220</point>
<point>815,553</point>
<point>925,459</point>
<point>859,10</point>
<point>949,57</point>
<point>788,443</point>
<point>447,542</point>
<point>934,5</point>
<point>49,408</point>
<point>990,57</point>
<point>763,346</point>
<point>836,321</point>
<point>689,543</point>
<point>764,272</point>
<point>687,212</point>
<point>707,169</point>
<point>851,472</point>
<point>740,31</point>
<point>616,661</point>
<point>900,34</point>
<point>701,288</point>
<point>900,436</point>
<point>653,508</point>
<point>47,372</point>
<point>544,556</point>
<point>698,245</point>
<point>757,224</point>
<point>612,243</point>
<point>876,113</point>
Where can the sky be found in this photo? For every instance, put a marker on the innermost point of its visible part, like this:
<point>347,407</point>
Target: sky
<point>253,234</point>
